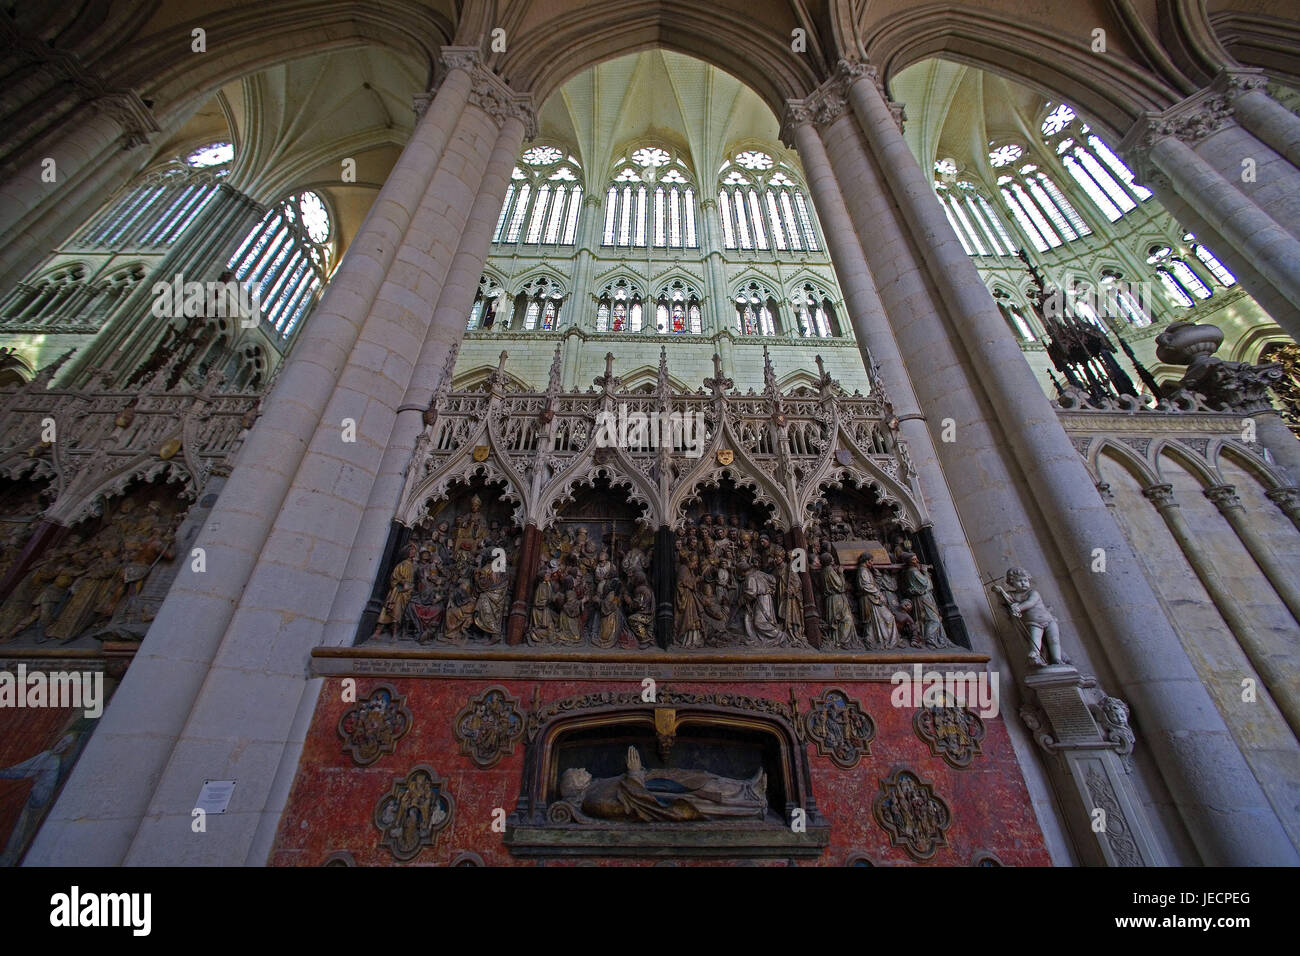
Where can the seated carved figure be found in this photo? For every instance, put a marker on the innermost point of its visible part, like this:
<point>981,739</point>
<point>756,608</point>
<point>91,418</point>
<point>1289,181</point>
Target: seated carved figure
<point>663,795</point>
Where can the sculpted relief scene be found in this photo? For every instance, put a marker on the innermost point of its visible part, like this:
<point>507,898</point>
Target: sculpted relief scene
<point>781,522</point>
<point>103,580</point>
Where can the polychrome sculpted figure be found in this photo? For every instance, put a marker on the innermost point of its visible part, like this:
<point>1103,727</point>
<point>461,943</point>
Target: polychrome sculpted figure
<point>641,613</point>
<point>400,585</point>
<point>839,612</point>
<point>569,630</point>
<point>762,628</point>
<point>492,602</point>
<point>690,627</point>
<point>929,621</point>
<point>712,615</point>
<point>789,600</point>
<point>471,529</point>
<point>428,602</point>
<point>877,619</point>
<point>460,612</point>
<point>90,593</point>
<point>664,795</point>
<point>1037,622</point>
<point>541,618</point>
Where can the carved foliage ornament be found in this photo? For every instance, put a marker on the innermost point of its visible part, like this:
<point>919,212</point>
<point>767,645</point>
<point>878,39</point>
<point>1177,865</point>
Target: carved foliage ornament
<point>372,727</point>
<point>1118,835</point>
<point>413,812</point>
<point>953,733</point>
<point>915,818</point>
<point>489,726</point>
<point>839,727</point>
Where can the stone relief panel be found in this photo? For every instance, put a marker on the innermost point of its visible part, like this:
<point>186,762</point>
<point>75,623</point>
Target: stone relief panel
<point>839,727</point>
<point>451,582</point>
<point>913,815</point>
<point>953,733</point>
<point>372,727</point>
<point>105,579</point>
<point>413,812</point>
<point>488,727</point>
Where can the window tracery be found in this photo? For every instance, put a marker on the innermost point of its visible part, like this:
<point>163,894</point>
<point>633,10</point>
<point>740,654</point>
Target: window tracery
<point>761,205</point>
<point>651,201</point>
<point>543,199</point>
<point>756,310</point>
<point>285,259</point>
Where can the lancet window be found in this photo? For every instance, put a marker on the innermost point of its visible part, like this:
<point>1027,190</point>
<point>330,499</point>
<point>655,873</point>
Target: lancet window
<point>761,205</point>
<point>286,259</point>
<point>543,199</point>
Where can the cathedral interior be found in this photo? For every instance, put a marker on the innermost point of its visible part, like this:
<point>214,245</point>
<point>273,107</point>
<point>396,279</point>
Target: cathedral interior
<point>572,433</point>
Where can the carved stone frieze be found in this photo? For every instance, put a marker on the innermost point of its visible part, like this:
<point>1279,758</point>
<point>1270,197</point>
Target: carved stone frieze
<point>540,716</point>
<point>488,727</point>
<point>914,816</point>
<point>372,727</point>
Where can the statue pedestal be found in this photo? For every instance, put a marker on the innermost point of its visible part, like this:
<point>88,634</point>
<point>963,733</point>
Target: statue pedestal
<point>1063,709</point>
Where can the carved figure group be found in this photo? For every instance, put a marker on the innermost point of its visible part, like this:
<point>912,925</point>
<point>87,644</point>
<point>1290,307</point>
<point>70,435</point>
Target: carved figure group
<point>93,578</point>
<point>453,583</point>
<point>593,589</point>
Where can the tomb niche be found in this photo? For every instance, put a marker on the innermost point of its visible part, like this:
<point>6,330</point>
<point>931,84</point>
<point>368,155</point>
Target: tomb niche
<point>448,580</point>
<point>594,586</point>
<point>706,777</point>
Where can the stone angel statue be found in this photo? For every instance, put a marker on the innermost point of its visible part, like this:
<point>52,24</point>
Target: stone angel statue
<point>1036,621</point>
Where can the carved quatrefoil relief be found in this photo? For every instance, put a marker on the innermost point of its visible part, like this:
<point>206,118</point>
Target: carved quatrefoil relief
<point>839,727</point>
<point>372,727</point>
<point>953,733</point>
<point>413,812</point>
<point>489,726</point>
<point>912,814</point>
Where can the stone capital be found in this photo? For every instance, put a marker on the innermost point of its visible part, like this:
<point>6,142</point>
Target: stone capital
<point>1287,498</point>
<point>130,112</point>
<point>1235,81</point>
<point>1162,496</point>
<point>1223,496</point>
<point>491,94</point>
<point>1191,120</point>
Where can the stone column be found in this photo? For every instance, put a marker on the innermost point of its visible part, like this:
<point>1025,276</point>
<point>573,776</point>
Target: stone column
<point>581,312</point>
<point>434,365</point>
<point>796,537</point>
<point>150,709</point>
<point>1264,117</point>
<point>1288,500</point>
<point>1274,253</point>
<point>719,297</point>
<point>1137,637</point>
<point>1280,441</point>
<point>1283,580</point>
<point>99,147</point>
<point>1274,679</point>
<point>880,350</point>
<point>530,551</point>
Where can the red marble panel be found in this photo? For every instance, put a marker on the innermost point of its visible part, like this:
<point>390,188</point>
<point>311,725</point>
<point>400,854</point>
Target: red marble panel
<point>332,802</point>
